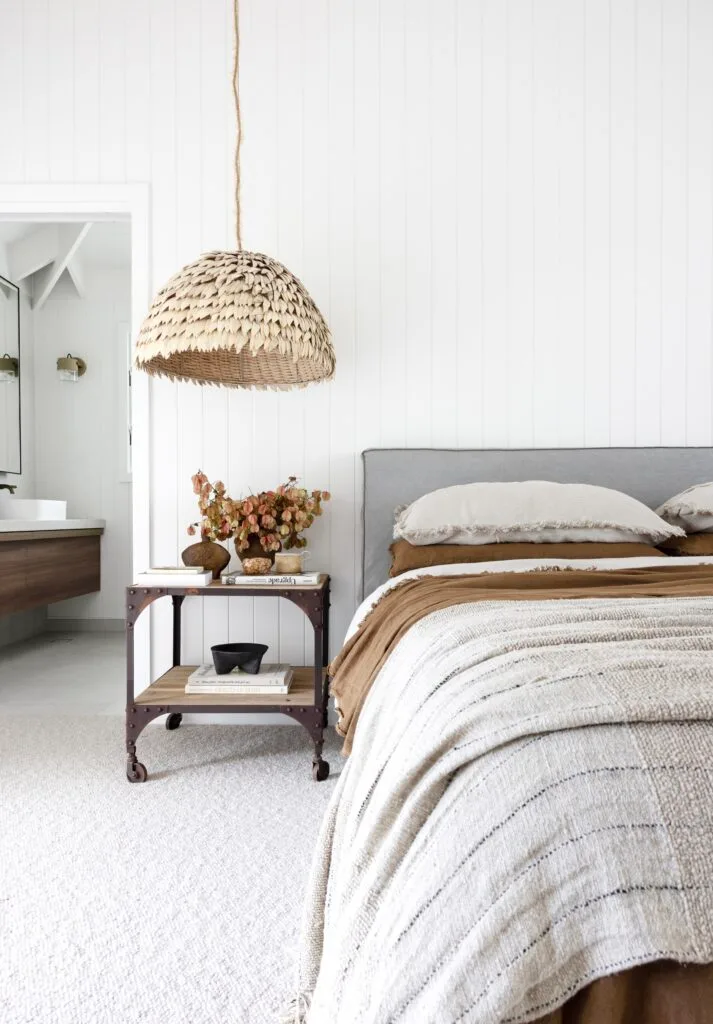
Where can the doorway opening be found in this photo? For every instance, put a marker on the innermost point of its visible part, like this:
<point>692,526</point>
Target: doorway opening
<point>69,505</point>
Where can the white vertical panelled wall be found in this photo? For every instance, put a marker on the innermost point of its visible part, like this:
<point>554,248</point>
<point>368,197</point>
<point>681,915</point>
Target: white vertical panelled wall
<point>503,207</point>
<point>81,450</point>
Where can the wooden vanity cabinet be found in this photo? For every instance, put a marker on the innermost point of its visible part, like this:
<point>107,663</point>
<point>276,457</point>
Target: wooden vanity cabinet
<point>41,567</point>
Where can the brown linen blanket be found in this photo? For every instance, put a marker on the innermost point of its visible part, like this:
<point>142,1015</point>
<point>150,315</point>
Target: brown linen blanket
<point>660,993</point>
<point>354,669</point>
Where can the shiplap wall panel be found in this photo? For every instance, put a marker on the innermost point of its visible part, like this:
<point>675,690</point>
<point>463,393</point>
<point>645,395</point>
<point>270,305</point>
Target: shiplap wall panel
<point>315,239</point>
<point>548,373</point>
<point>61,94</point>
<point>12,86</point>
<point>520,224</point>
<point>88,110</point>
<point>369,270</point>
<point>494,223</point>
<point>570,241</point>
<point>339,533</point>
<point>443,215</point>
<point>504,208</point>
<point>648,221</point>
<point>36,88</point>
<point>417,194</point>
<point>468,385</point>
<point>700,219</point>
<point>392,241</point>
<point>622,218</point>
<point>116,64</point>
<point>137,89</point>
<point>674,221</point>
<point>596,310</point>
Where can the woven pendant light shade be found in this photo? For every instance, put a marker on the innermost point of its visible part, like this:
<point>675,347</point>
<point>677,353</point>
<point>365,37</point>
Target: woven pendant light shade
<point>239,319</point>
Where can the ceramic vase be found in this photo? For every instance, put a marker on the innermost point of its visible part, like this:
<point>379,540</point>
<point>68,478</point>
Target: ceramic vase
<point>209,554</point>
<point>256,561</point>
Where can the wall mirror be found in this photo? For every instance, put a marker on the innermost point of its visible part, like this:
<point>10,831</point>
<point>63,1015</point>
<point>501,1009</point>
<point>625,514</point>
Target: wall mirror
<point>10,457</point>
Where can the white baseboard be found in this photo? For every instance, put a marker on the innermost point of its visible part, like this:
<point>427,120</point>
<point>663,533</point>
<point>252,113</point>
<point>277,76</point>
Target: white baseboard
<point>22,626</point>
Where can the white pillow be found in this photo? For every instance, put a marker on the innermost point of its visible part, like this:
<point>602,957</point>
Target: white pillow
<point>691,509</point>
<point>539,511</point>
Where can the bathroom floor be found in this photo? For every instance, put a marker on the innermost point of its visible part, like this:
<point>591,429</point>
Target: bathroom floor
<point>65,673</point>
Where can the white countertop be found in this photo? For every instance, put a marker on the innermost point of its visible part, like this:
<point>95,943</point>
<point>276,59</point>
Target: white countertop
<point>27,525</point>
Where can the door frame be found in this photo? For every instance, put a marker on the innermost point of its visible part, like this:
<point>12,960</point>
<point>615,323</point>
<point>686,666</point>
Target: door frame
<point>97,201</point>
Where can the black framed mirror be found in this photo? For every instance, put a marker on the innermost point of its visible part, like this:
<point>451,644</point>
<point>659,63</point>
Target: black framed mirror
<point>10,427</point>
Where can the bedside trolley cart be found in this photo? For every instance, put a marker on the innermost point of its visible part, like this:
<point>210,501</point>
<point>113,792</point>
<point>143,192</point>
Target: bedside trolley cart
<point>306,701</point>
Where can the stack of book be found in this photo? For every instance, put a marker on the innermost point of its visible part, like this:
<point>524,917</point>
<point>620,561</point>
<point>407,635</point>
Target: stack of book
<point>174,576</point>
<point>271,679</point>
<point>271,579</point>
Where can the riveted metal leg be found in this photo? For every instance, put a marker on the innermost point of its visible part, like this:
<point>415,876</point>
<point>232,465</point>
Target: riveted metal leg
<point>177,601</point>
<point>320,767</point>
<point>312,718</point>
<point>135,771</point>
<point>137,718</point>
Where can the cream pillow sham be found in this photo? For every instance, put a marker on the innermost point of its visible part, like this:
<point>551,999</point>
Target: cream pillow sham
<point>536,511</point>
<point>692,509</point>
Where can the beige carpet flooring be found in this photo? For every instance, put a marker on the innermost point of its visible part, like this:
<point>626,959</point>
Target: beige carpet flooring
<point>173,902</point>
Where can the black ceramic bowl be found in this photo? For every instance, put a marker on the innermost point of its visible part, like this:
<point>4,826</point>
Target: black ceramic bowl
<point>226,657</point>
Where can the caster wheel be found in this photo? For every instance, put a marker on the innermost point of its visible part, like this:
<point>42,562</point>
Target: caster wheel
<point>320,770</point>
<point>174,720</point>
<point>136,772</point>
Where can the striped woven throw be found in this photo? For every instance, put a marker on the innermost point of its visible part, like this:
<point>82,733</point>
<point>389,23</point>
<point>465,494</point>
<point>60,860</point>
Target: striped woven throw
<point>528,807</point>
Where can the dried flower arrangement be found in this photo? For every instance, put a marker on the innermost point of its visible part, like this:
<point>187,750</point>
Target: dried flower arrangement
<point>276,519</point>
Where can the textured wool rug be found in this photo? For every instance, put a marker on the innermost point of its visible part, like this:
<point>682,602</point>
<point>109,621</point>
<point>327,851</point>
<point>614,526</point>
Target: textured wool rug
<point>176,901</point>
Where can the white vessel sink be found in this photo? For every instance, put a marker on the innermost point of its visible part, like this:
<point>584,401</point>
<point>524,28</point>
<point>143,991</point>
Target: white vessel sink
<point>31,508</point>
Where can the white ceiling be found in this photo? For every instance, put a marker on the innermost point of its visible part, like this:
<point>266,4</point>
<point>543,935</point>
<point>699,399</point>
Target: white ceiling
<point>108,244</point>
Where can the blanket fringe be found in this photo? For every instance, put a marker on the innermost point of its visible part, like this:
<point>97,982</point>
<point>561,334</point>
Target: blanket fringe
<point>297,1010</point>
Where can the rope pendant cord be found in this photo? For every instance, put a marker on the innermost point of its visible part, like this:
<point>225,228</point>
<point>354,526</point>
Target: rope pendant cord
<point>238,121</point>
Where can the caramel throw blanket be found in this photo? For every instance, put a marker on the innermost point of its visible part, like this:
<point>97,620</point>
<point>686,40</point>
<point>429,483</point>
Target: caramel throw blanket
<point>353,671</point>
<point>528,805</point>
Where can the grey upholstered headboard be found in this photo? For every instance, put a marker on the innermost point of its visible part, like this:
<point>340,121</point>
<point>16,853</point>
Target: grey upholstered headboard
<point>397,476</point>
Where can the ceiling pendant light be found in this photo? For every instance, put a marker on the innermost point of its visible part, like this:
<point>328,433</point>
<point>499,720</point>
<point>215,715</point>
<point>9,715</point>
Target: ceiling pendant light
<point>238,319</point>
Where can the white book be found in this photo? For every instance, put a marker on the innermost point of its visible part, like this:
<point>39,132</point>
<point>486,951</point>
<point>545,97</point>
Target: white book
<point>267,691</point>
<point>272,679</point>
<point>271,579</point>
<point>205,678</point>
<point>173,579</point>
<point>175,570</point>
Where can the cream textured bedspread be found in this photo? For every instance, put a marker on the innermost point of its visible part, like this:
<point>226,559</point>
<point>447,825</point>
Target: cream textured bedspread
<point>528,806</point>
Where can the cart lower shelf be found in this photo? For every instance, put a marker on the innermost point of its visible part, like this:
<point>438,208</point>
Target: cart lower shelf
<point>167,696</point>
<point>170,689</point>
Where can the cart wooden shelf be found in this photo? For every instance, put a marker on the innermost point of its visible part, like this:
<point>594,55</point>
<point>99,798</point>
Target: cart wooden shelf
<point>306,702</point>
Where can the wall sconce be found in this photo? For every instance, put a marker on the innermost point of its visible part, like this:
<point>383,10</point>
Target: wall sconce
<point>9,369</point>
<point>70,368</point>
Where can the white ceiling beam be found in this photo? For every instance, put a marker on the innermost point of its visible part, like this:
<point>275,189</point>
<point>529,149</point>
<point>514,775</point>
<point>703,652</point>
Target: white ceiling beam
<point>27,255</point>
<point>75,270</point>
<point>69,238</point>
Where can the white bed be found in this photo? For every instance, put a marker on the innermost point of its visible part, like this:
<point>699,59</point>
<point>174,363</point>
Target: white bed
<point>528,804</point>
